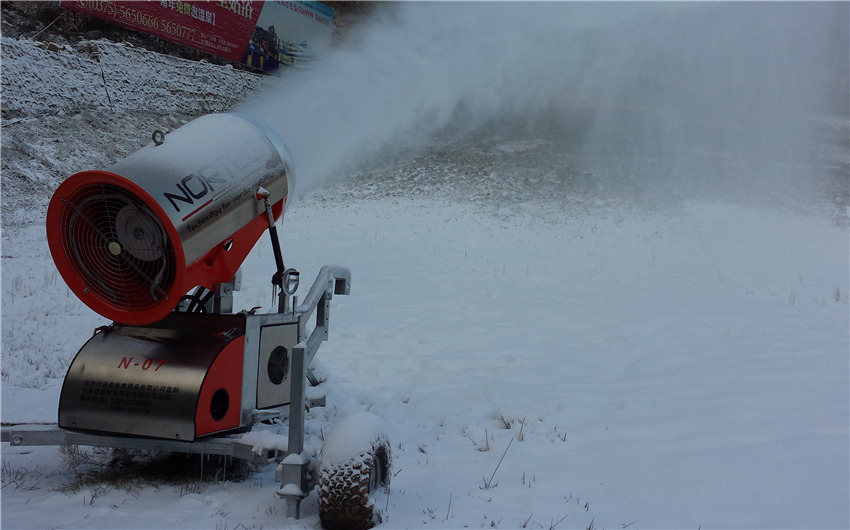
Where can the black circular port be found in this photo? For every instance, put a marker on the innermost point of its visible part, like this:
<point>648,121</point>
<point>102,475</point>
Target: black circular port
<point>219,404</point>
<point>278,365</point>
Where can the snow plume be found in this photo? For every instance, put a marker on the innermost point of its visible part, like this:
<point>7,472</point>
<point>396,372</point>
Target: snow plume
<point>605,78</point>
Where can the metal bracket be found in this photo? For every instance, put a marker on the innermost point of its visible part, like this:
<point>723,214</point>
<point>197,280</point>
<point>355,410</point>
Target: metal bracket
<point>222,301</point>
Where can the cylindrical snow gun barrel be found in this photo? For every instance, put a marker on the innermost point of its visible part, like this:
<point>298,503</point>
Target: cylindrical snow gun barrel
<point>182,212</point>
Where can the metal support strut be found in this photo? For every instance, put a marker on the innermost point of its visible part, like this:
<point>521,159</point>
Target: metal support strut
<point>295,466</point>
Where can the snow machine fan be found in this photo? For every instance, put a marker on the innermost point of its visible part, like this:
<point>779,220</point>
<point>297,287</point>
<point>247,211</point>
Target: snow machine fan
<point>132,239</point>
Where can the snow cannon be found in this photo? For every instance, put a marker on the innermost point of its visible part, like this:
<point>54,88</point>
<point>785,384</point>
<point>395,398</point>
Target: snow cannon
<point>131,239</point>
<point>155,243</point>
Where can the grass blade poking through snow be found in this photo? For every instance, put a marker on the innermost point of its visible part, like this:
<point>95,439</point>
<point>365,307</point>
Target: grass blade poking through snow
<point>488,483</point>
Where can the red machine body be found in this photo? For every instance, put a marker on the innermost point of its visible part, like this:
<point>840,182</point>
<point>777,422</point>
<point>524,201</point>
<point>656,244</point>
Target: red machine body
<point>178,379</point>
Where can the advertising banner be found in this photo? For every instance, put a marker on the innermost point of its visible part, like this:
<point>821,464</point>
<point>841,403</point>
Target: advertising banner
<point>288,33</point>
<point>263,35</point>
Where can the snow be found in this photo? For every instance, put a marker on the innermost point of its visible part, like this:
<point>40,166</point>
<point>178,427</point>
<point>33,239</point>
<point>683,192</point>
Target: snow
<point>351,437</point>
<point>290,490</point>
<point>295,458</point>
<point>552,334</point>
<point>262,440</point>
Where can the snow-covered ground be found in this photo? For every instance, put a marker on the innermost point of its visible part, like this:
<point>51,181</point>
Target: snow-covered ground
<point>556,333</point>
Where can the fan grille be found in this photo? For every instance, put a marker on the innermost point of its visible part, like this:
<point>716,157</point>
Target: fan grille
<point>118,247</point>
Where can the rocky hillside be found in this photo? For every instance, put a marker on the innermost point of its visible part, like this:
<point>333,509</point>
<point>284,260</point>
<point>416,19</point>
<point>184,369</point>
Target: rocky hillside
<point>83,106</point>
<point>79,93</point>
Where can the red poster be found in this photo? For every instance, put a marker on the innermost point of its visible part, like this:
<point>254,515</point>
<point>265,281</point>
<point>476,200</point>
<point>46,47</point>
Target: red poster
<point>223,28</point>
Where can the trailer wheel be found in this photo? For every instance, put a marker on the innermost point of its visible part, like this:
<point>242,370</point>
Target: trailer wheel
<point>355,474</point>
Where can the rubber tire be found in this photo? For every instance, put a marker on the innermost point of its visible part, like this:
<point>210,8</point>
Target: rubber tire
<point>349,487</point>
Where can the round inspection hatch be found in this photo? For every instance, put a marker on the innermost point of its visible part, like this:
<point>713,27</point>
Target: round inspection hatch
<point>219,404</point>
<point>278,365</point>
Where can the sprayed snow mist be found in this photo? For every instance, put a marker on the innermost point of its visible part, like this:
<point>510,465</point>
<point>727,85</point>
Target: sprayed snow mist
<point>686,83</point>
